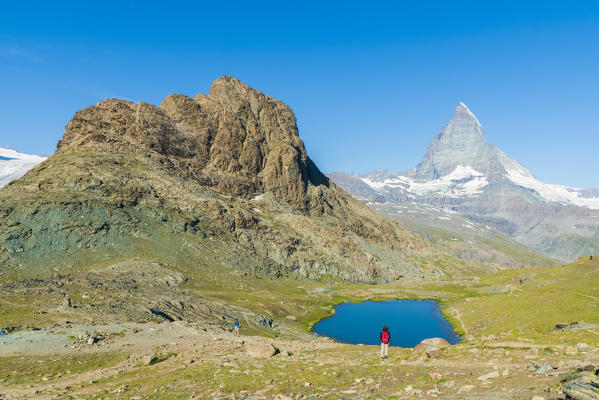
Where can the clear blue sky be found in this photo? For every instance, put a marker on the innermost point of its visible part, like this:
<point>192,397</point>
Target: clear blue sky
<point>371,84</point>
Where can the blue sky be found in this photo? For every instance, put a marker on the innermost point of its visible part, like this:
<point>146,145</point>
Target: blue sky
<point>371,84</point>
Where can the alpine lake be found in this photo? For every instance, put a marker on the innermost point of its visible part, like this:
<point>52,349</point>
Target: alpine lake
<point>409,322</point>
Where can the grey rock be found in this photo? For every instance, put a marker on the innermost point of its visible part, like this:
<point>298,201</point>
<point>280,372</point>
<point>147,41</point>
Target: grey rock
<point>582,386</point>
<point>543,368</point>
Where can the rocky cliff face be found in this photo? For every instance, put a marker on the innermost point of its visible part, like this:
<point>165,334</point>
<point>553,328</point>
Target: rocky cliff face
<point>461,173</point>
<point>220,182</point>
<point>236,140</point>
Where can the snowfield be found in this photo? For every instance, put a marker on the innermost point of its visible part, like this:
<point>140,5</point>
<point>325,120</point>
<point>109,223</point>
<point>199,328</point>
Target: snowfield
<point>463,181</point>
<point>552,193</point>
<point>14,165</point>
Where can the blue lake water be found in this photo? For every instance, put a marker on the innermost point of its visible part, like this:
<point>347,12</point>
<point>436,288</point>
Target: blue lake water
<point>409,321</point>
<point>6,158</point>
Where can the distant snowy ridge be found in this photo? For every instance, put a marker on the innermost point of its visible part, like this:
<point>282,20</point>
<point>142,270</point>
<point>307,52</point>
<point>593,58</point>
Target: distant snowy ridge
<point>464,181</point>
<point>14,165</point>
<point>459,163</point>
<point>552,193</point>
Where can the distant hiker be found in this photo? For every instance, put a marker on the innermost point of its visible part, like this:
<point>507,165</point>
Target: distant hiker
<point>385,339</point>
<point>236,328</point>
<point>591,258</point>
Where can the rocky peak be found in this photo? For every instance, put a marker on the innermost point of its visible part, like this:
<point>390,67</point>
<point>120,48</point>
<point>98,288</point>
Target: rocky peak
<point>461,142</point>
<point>463,130</point>
<point>462,111</point>
<point>235,139</point>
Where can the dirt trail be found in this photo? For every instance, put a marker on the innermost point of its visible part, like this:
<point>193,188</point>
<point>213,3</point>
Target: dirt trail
<point>586,295</point>
<point>458,316</point>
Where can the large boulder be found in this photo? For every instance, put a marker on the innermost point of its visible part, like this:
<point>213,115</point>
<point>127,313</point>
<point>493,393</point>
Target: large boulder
<point>429,343</point>
<point>431,346</point>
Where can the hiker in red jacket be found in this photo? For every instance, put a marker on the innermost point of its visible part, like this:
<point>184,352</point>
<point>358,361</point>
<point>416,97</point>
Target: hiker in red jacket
<point>385,339</point>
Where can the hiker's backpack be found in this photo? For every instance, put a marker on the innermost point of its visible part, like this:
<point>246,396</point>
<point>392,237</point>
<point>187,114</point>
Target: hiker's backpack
<point>385,337</point>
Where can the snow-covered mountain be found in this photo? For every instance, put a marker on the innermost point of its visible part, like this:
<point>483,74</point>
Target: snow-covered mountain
<point>14,165</point>
<point>460,163</point>
<point>462,173</point>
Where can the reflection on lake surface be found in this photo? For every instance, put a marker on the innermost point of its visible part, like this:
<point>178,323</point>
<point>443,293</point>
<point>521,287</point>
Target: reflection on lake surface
<point>409,321</point>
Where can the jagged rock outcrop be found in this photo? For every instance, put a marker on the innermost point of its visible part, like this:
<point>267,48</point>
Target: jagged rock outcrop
<point>218,182</point>
<point>236,139</point>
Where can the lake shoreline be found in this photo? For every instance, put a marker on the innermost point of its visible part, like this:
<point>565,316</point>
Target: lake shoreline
<point>412,320</point>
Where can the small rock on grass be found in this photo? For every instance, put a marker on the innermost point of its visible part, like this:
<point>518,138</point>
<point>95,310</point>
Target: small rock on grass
<point>490,375</point>
<point>148,360</point>
<point>230,364</point>
<point>436,375</point>
<point>543,368</point>
<point>466,389</point>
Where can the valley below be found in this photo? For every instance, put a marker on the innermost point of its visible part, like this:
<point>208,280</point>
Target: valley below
<point>86,335</point>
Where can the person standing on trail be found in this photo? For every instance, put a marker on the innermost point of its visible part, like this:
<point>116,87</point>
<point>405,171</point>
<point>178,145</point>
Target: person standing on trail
<point>385,339</point>
<point>236,328</point>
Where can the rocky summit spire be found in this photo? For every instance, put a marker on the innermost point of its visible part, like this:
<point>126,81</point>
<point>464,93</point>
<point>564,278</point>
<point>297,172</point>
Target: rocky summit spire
<point>461,142</point>
<point>461,111</point>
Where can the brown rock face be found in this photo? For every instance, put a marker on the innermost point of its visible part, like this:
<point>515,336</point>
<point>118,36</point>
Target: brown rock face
<point>236,140</point>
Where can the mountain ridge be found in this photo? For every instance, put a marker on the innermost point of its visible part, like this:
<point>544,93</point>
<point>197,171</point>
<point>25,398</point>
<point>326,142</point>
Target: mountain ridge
<point>460,171</point>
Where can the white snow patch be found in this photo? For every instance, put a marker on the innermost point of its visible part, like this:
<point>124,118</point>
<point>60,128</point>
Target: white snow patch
<point>14,165</point>
<point>463,181</point>
<point>552,193</point>
<point>258,197</point>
